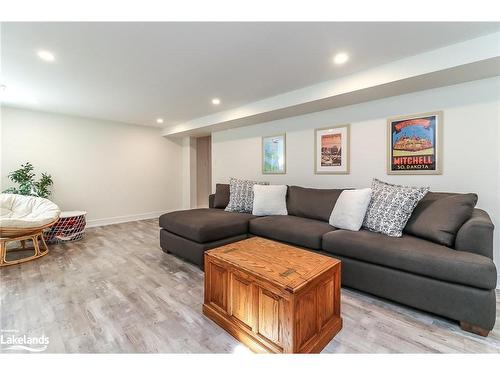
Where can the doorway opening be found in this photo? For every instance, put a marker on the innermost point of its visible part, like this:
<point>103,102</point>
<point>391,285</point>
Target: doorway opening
<point>203,170</point>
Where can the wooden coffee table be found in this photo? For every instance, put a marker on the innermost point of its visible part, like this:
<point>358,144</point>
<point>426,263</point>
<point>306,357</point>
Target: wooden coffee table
<point>273,297</point>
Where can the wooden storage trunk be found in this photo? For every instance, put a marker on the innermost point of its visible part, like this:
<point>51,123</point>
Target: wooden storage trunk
<point>273,297</point>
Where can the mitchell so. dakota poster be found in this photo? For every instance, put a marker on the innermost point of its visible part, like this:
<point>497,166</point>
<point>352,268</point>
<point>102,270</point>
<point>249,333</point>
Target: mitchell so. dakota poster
<point>414,144</point>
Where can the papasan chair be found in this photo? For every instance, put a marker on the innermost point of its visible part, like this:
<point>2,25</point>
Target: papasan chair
<point>24,218</point>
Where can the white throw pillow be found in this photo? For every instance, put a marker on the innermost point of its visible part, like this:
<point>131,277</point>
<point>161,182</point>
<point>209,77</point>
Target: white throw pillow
<point>269,200</point>
<point>350,209</point>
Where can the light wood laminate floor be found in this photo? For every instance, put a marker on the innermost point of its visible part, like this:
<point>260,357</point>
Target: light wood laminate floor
<point>116,291</point>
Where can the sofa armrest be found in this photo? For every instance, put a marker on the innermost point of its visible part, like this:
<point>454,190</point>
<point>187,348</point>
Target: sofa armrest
<point>211,200</point>
<point>476,234</point>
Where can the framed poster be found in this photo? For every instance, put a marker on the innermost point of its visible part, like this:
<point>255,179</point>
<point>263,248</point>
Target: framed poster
<point>274,154</point>
<point>415,144</point>
<point>331,150</point>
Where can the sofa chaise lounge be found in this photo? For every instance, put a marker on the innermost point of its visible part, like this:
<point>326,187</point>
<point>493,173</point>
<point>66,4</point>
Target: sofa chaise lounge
<point>457,281</point>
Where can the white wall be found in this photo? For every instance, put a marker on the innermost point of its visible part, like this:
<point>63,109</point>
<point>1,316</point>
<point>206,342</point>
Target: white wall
<point>471,138</point>
<point>115,172</point>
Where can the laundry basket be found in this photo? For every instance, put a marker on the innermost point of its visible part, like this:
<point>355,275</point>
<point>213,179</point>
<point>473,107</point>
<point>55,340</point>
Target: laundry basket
<point>69,227</point>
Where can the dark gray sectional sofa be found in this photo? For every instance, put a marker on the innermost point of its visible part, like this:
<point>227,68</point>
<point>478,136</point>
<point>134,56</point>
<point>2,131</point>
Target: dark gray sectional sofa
<point>442,263</point>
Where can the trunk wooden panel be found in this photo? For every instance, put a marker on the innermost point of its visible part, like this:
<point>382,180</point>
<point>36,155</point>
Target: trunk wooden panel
<point>241,300</point>
<point>326,310</point>
<point>269,316</point>
<point>217,277</point>
<point>305,317</point>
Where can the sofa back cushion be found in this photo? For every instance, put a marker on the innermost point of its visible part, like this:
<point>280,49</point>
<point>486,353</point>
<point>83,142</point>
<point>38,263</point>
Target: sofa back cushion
<point>312,203</point>
<point>439,216</point>
<point>221,199</point>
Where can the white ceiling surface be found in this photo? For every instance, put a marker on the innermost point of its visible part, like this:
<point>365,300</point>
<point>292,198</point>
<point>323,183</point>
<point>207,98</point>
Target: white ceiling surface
<point>136,72</point>
<point>474,59</point>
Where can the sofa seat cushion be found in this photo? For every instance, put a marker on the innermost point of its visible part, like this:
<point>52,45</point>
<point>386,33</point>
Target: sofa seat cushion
<point>415,255</point>
<point>292,229</point>
<point>205,224</point>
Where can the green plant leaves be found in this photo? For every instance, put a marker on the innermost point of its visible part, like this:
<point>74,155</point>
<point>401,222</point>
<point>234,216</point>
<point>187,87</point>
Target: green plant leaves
<point>27,185</point>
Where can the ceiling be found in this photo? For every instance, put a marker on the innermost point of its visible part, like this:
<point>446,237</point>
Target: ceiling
<point>137,72</point>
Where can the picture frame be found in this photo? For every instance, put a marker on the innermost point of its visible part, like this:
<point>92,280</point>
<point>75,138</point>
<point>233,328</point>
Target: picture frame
<point>274,154</point>
<point>332,150</point>
<point>415,144</point>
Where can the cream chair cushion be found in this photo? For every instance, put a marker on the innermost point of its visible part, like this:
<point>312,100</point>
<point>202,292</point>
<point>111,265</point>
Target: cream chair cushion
<point>19,211</point>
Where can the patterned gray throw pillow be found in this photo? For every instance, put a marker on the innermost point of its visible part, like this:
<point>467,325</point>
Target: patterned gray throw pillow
<point>391,206</point>
<point>241,195</point>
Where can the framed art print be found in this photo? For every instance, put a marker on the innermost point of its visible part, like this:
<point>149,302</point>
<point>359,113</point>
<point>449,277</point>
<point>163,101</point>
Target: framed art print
<point>274,154</point>
<point>331,150</point>
<point>415,144</point>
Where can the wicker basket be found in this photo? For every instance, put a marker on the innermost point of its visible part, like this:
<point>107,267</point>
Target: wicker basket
<point>70,227</point>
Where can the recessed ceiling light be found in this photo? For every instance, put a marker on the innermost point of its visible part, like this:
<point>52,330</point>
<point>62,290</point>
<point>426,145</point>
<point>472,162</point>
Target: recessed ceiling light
<point>215,101</point>
<point>340,58</point>
<point>46,55</point>
<point>159,120</point>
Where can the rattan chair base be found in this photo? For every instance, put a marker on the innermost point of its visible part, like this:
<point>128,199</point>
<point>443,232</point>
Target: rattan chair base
<point>18,234</point>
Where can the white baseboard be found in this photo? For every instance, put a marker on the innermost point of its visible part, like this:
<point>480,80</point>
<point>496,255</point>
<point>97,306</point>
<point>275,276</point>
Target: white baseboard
<point>125,219</point>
